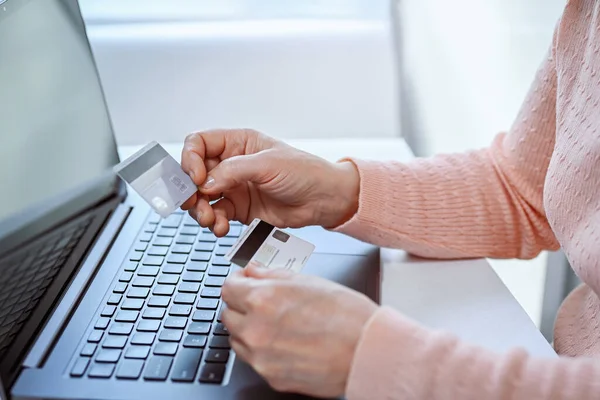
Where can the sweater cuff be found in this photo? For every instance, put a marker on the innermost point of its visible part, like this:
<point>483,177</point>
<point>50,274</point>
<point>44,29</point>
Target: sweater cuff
<point>370,199</point>
<point>384,361</point>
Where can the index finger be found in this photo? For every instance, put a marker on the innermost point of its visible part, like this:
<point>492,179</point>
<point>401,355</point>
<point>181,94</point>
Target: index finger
<point>235,291</point>
<point>220,144</point>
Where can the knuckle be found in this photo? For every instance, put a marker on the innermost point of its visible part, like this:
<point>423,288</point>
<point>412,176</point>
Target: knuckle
<point>261,299</point>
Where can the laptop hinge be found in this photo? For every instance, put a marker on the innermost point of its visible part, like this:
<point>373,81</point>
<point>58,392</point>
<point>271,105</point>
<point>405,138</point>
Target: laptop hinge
<point>78,285</point>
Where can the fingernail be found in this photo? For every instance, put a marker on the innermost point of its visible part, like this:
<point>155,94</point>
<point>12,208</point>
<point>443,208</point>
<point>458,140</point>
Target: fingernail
<point>193,175</point>
<point>198,217</point>
<point>210,182</point>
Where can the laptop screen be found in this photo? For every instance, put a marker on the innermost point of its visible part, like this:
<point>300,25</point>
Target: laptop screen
<point>54,127</point>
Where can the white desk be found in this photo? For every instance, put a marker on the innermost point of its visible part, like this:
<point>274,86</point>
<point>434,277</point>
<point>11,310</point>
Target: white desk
<point>464,297</point>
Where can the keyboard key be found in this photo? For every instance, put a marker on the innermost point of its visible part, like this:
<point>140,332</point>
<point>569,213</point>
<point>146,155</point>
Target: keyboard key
<point>200,256</point>
<point>192,276</point>
<point>154,313</point>
<point>158,251</point>
<point>148,325</point>
<point>181,249</point>
<point>141,246</point>
<point>165,349</point>
<point>184,239</point>
<point>220,342</point>
<point>215,281</point>
<point>212,373</point>
<point>125,277</point>
<point>130,266</point>
<point>136,255</point>
<point>114,299</point>
<point>220,261</point>
<point>204,246</point>
<point>88,349</point>
<point>150,228</point>
<point>203,316</point>
<point>132,304</point>
<point>217,356</point>
<point>157,368</point>
<point>163,290</point>
<point>80,366</point>
<point>180,310</point>
<point>177,258</point>
<point>214,293</point>
<point>159,301</point>
<point>143,281</point>
<point>207,237</point>
<point>218,271</point>
<point>234,231</point>
<point>189,230</point>
<point>143,338</point>
<point>153,261</point>
<point>196,266</point>
<point>195,341</point>
<point>201,328</point>
<point>95,336</point>
<point>127,316</point>
<point>221,251</point>
<point>154,218</point>
<point>121,328</point>
<point>172,221</point>
<point>227,241</point>
<point>120,288</point>
<point>186,365</point>
<point>145,237</point>
<point>189,221</point>
<point>223,307</point>
<point>207,304</point>
<point>189,287</point>
<point>99,370</point>
<point>148,271</point>
<point>172,269</point>
<point>102,323</point>
<point>175,322</point>
<point>170,335</point>
<point>108,355</point>
<point>221,330</point>
<point>130,369</point>
<point>138,352</point>
<point>184,298</point>
<point>108,311</point>
<point>162,241</point>
<point>114,342</point>
<point>138,293</point>
<point>167,232</point>
<point>168,279</point>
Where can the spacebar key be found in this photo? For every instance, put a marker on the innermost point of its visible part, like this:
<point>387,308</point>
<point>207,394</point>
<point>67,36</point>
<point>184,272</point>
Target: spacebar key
<point>186,365</point>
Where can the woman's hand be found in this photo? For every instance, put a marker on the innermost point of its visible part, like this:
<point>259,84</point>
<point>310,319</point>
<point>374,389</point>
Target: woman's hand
<point>298,332</point>
<point>255,176</point>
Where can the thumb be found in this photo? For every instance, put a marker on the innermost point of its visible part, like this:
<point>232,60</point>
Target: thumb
<point>259,271</point>
<point>234,171</point>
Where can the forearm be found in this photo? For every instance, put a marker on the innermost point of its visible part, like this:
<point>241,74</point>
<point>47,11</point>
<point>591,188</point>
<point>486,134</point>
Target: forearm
<point>398,359</point>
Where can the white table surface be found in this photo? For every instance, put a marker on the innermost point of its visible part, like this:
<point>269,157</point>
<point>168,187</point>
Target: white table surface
<point>463,297</point>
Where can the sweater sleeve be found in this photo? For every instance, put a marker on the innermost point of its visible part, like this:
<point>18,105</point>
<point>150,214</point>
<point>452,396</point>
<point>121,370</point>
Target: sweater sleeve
<point>486,203</point>
<point>398,359</point>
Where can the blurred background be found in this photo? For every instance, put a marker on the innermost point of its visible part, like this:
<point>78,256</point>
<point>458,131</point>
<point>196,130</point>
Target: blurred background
<point>446,75</point>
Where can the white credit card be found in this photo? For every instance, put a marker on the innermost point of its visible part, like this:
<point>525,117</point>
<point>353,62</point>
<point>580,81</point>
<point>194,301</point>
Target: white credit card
<point>270,246</point>
<point>158,178</point>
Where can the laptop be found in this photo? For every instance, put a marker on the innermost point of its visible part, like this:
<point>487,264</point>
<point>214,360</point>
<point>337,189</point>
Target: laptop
<point>100,298</point>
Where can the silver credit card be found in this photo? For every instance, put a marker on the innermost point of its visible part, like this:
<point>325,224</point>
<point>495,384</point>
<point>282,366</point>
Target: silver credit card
<point>158,178</point>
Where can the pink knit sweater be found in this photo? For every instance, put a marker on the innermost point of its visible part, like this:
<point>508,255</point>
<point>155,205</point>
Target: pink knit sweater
<point>537,187</point>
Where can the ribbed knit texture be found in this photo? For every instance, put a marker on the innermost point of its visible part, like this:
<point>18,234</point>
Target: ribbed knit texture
<point>537,187</point>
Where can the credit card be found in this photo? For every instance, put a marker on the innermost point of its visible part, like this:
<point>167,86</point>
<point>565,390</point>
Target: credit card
<point>270,246</point>
<point>158,178</point>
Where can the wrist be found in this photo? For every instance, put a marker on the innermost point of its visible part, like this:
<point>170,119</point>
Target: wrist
<point>345,193</point>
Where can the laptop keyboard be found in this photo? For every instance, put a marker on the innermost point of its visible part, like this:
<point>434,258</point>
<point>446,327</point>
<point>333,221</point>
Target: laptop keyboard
<point>161,320</point>
<point>26,274</point>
